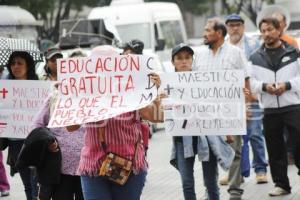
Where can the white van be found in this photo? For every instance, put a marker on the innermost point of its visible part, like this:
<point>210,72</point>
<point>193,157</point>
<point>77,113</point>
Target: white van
<point>18,23</point>
<point>158,24</point>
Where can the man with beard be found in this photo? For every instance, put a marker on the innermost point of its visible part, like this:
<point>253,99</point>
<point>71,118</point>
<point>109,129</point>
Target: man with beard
<point>220,55</point>
<point>235,27</point>
<point>276,76</point>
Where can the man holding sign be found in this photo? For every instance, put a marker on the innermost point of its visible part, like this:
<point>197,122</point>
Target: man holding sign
<point>223,56</point>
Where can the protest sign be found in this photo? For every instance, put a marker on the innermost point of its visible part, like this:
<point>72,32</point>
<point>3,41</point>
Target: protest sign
<point>98,88</point>
<point>20,100</point>
<point>208,102</point>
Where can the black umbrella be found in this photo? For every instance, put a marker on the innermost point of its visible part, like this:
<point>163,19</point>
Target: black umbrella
<point>9,45</point>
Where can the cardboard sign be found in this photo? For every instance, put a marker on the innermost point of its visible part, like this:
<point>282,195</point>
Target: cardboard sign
<point>20,100</point>
<point>204,103</point>
<point>98,88</point>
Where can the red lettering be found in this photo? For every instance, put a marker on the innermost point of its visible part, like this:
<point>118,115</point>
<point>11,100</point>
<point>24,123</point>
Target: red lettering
<point>117,102</point>
<point>82,88</point>
<point>87,66</point>
<point>99,67</point>
<point>102,111</point>
<point>56,123</point>
<point>91,78</point>
<point>129,85</point>
<point>135,62</point>
<point>100,84</point>
<point>113,101</point>
<point>64,88</point>
<point>73,86</point>
<point>125,64</point>
<point>106,65</point>
<point>62,66</point>
<point>119,82</point>
<point>80,65</point>
<point>72,66</point>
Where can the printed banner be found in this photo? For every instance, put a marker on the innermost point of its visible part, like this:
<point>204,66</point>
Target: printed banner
<point>20,100</point>
<point>98,88</point>
<point>204,102</point>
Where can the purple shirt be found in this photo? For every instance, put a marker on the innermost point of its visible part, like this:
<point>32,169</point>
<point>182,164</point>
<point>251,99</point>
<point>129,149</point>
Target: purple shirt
<point>70,143</point>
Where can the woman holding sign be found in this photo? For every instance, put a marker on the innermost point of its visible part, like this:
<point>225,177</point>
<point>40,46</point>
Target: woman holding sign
<point>113,164</point>
<point>21,67</point>
<point>210,149</point>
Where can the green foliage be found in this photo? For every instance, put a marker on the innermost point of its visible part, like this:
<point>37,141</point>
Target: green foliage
<point>52,11</point>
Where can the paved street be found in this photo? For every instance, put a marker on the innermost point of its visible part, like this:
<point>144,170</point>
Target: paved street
<point>163,181</point>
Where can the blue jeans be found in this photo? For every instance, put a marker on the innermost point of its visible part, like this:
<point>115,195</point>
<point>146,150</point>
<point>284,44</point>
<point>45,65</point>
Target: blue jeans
<point>255,135</point>
<point>28,175</point>
<point>99,188</point>
<point>186,170</point>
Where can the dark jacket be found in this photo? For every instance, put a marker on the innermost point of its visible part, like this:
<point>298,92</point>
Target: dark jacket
<point>35,153</point>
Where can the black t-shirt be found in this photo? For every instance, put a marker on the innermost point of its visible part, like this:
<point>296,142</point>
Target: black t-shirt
<point>275,56</point>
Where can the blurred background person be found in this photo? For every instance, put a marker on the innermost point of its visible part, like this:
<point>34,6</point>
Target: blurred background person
<point>51,56</point>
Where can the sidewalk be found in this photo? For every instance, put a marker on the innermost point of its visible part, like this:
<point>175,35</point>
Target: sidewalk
<point>163,181</point>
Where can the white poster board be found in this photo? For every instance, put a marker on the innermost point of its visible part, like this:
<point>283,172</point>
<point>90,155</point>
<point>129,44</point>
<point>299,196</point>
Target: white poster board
<point>209,102</point>
<point>20,100</point>
<point>98,88</point>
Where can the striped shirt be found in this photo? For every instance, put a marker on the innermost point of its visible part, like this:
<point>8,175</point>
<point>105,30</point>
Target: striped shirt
<point>121,136</point>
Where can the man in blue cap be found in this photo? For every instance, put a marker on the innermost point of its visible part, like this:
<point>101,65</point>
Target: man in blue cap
<point>235,28</point>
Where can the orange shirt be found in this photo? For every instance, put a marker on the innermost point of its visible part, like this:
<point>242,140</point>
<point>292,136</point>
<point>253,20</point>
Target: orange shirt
<point>290,40</point>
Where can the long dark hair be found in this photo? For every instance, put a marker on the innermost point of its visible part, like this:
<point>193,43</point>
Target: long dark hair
<point>31,75</point>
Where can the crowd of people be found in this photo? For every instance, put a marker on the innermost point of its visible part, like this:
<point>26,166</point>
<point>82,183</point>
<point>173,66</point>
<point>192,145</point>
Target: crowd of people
<point>272,89</point>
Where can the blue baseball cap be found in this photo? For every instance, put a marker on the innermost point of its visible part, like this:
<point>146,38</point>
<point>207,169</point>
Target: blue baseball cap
<point>234,18</point>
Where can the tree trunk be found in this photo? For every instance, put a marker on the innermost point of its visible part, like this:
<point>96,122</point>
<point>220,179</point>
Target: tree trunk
<point>55,31</point>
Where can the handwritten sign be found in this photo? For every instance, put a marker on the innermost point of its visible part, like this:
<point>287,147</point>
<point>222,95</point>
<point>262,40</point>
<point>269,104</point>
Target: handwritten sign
<point>19,103</point>
<point>209,102</point>
<point>98,88</point>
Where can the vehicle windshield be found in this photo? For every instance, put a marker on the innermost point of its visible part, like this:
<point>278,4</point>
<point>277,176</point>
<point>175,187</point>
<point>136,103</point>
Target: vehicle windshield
<point>172,33</point>
<point>83,33</point>
<point>139,31</point>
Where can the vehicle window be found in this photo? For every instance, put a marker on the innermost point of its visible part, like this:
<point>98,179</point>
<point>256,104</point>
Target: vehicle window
<point>172,33</point>
<point>139,31</point>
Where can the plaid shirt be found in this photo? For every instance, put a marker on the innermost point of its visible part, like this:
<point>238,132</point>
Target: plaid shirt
<point>227,57</point>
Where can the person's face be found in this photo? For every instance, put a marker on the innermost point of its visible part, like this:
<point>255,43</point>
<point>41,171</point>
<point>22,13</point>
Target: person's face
<point>19,68</point>
<point>235,30</point>
<point>269,33</point>
<point>182,61</point>
<point>128,51</point>
<point>52,63</point>
<point>210,35</point>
